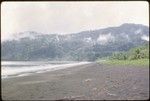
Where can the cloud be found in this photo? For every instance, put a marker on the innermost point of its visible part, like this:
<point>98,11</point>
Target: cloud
<point>104,38</point>
<point>144,37</point>
<point>69,17</point>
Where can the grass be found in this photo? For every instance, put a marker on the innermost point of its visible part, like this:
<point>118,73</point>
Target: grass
<point>139,62</point>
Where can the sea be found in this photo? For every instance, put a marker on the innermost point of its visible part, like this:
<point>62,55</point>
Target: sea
<point>11,69</point>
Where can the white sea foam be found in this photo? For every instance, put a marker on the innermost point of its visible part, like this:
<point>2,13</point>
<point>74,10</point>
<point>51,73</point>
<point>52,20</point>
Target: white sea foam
<point>24,74</point>
<point>27,70</point>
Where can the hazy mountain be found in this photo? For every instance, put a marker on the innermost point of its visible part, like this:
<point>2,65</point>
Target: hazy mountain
<point>86,45</point>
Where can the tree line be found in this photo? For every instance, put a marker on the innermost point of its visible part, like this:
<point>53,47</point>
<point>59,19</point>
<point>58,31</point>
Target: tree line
<point>140,52</point>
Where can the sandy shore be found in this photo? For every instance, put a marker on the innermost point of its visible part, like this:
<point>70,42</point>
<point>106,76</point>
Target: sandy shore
<point>87,82</point>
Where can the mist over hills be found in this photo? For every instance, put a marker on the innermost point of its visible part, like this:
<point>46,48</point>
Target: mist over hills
<point>82,46</point>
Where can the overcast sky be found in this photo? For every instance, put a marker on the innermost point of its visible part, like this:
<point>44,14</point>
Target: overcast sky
<point>69,17</point>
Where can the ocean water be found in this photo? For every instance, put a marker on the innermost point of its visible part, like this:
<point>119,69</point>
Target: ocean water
<point>25,68</point>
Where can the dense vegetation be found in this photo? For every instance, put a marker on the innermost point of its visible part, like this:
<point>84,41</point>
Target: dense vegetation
<point>135,56</point>
<point>83,46</point>
<point>140,52</point>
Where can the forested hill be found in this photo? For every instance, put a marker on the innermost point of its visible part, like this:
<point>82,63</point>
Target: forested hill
<point>86,45</point>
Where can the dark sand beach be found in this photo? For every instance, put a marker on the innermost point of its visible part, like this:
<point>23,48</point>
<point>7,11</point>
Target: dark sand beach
<point>86,82</point>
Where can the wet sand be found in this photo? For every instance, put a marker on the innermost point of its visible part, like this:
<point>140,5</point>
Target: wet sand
<point>87,82</point>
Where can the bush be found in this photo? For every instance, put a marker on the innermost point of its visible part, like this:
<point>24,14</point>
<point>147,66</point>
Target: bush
<point>141,52</point>
<point>119,56</point>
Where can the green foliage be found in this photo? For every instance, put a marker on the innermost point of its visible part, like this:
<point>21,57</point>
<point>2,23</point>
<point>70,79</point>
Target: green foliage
<point>119,56</point>
<point>139,62</point>
<point>135,56</point>
<point>140,52</point>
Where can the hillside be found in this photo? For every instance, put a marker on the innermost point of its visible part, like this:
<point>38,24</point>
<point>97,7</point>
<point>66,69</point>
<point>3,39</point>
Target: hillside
<point>86,45</point>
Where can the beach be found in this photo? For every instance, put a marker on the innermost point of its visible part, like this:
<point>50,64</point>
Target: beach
<point>84,82</point>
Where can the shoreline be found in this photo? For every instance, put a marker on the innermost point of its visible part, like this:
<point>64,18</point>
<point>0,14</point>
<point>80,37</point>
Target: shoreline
<point>33,70</point>
<point>87,82</point>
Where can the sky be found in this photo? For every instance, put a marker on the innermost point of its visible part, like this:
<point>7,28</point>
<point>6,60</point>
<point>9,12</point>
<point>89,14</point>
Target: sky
<point>69,17</point>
